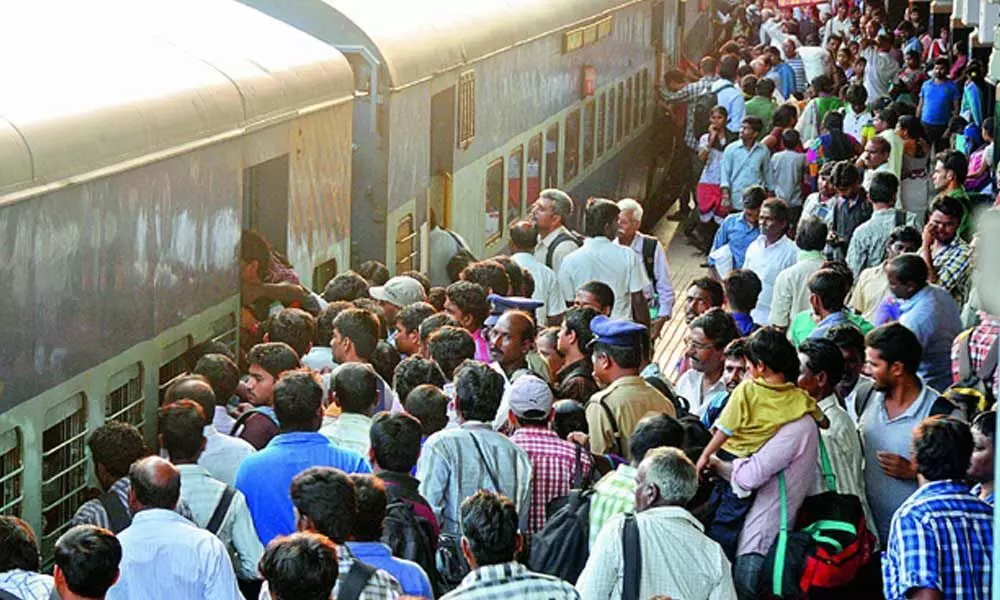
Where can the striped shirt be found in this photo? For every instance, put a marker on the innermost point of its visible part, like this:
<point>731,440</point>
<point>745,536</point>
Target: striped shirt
<point>553,465</point>
<point>92,511</point>
<point>688,95</point>
<point>381,586</point>
<point>509,580</point>
<point>613,494</point>
<point>27,585</point>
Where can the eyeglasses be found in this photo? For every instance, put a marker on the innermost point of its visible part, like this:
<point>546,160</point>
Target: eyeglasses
<point>697,345</point>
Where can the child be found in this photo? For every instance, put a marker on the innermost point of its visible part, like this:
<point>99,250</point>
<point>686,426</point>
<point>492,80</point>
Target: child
<point>709,190</point>
<point>820,204</point>
<point>762,105</point>
<point>788,170</point>
<point>749,86</point>
<point>858,120</point>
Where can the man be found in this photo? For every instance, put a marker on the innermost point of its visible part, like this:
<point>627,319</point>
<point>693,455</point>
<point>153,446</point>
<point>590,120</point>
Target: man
<point>457,461</point>
<point>215,508</point>
<point>875,160</point>
<point>596,295</point>
<point>320,356</point>
<point>688,95</point>
<point>852,208</point>
<point>770,254</point>
<point>828,289</point>
<point>222,454</point>
<point>745,162</point>
<point>855,388</point>
<point>397,293</point>
<point>939,99</point>
<point>872,286</point>
<point>575,380</point>
<point>353,389</point>
<point>466,303</point>
<point>265,476</point>
<point>489,275</point>
<point>163,554</point>
<point>791,296</point>
<point>267,362</point>
<point>885,122</point>
<point>490,544</point>
<point>930,313</point>
<point>977,343</point>
<point>346,287</point>
<point>780,72</point>
<point>511,340</point>
<point>86,563</point>
<point>951,168</point>
<point>901,401</point>
<point>599,258</point>
<point>408,322</point>
<point>734,370</point>
<point>224,376</point>
<point>728,94</point>
<point>612,413</point>
<point>881,69</point>
<point>395,446</point>
<point>738,230</point>
<point>660,292</point>
<point>703,293</point>
<point>292,326</point>
<point>554,462</point>
<point>355,337</point>
<point>707,338</point>
<point>523,236</point>
<point>301,566</point>
<point>791,49</point>
<point>414,371</point>
<point>677,559</point>
<point>366,538</point>
<point>20,568</point>
<point>946,254</point>
<point>867,247</point>
<point>549,213</point>
<point>762,104</point>
<point>838,25</point>
<point>941,541</point>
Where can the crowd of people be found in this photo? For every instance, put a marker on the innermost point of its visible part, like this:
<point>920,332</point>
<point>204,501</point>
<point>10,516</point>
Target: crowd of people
<point>498,429</point>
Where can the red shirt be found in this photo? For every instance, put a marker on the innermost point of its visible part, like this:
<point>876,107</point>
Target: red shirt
<point>553,464</point>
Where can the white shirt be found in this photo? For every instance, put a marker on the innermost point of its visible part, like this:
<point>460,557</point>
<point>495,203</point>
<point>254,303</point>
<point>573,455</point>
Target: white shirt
<point>223,454</point>
<point>546,287</point>
<point>563,250</point>
<point>767,262</point>
<point>202,492</point>
<point>349,431</point>
<point>678,559</point>
<point>222,421</point>
<point>791,296</point>
<point>661,271</point>
<point>27,585</point>
<point>165,556</point>
<point>608,263</point>
<point>319,359</point>
<point>688,386</point>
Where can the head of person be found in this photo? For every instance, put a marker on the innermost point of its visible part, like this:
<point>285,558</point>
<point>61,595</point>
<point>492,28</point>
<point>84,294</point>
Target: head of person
<point>114,446</point>
<point>489,274</point>
<point>19,549</point>
<point>408,321</point>
<point>346,287</point>
<point>324,322</point>
<point>430,325</point>
<point>355,335</point>
<point>569,416</point>
<point>709,66</point>
<point>255,257</point>
<point>515,275</point>
<point>774,218</point>
<point>354,388</point>
<point>902,239</point>
<point>822,367</point>
<point>790,48</point>
<point>86,562</point>
<point>941,67</point>
<point>833,44</point>
<point>892,355</point>
<point>846,179</point>
<point>293,326</point>
<point>547,344</point>
<point>489,529</point>
<point>907,275</point>
<point>828,290</point>
<point>729,67</point>
<point>551,210</point>
<point>825,182</point>
<point>449,347</point>
<point>301,566</point>
<point>574,333</point>
<point>325,502</point>
<point>430,406</point>
<point>749,81</point>
<point>703,293</point>
<point>665,477</point>
<point>222,374</point>
<point>860,63</point>
<point>810,236</point>
<point>155,484</point>
<point>523,236</point>
<point>620,352</point>
<point>298,401</point>
<point>629,219</point>
<point>857,97</point>
<point>909,127</point>
<point>945,217</point>
<point>851,343</point>
<point>884,119</point>
<point>267,362</point>
<point>414,371</point>
<point>942,449</point>
<point>984,430</point>
<point>511,338</point>
<point>478,391</point>
<point>596,295</point>
<point>753,199</point>
<point>750,129</point>
<point>718,117</point>
<point>770,351</point>
<point>790,138</point>
<point>395,442</point>
<point>196,388</point>
<point>374,271</point>
<point>385,359</point>
<point>180,431</point>
<point>877,150</point>
<point>833,122</point>
<point>466,302</point>
<point>655,431</point>
<point>736,363</point>
<point>950,170</point>
<point>601,218</point>
<point>372,501</point>
<point>823,84</point>
<point>785,116</point>
<point>397,293</point>
<point>531,401</point>
<point>707,338</point>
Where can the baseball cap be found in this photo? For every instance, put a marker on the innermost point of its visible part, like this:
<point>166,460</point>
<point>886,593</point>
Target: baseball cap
<point>531,397</point>
<point>400,291</point>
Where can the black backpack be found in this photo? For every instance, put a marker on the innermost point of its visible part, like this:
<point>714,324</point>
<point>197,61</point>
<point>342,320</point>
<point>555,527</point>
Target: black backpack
<point>562,547</point>
<point>971,391</point>
<point>410,537</point>
<point>564,236</point>
<point>703,106</point>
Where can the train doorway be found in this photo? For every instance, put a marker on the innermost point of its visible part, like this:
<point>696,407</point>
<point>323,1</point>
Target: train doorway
<point>265,201</point>
<point>442,155</point>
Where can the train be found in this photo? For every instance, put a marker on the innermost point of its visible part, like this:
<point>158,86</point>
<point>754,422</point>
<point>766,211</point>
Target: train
<point>150,133</point>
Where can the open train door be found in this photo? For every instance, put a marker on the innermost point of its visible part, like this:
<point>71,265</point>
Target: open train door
<point>442,156</point>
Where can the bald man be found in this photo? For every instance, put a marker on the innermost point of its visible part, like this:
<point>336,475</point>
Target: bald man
<point>163,554</point>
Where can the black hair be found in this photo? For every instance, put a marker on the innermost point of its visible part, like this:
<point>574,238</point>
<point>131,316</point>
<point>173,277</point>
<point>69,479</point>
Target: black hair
<point>385,359</point>
<point>489,527</point>
<point>748,83</point>
<point>489,274</point>
<point>754,122</point>
<point>910,269</point>
<point>523,235</point>
<point>626,357</point>
<point>784,116</point>
<point>253,247</point>
<point>655,431</point>
<point>193,387</point>
<point>414,371</point>
<point>18,545</point>
<point>372,501</point>
<point>779,209</point>
<point>729,67</point>
<point>716,293</point>
<point>822,84</point>
<point>840,147</point>
<point>361,326</point>
<point>327,497</point>
<point>181,424</point>
<point>847,336</point>
<point>355,386</point>
<point>429,405</point>
<point>324,322</point>
<point>374,271</point>
<point>986,424</point>
<point>221,373</point>
<point>844,175</point>
<point>764,88</point>
<point>768,345</point>
<point>410,317</point>
<point>436,297</point>
<point>789,137</point>
<point>599,216</point>
<point>889,116</point>
<point>856,95</point>
<point>601,291</point>
<point>754,196</point>
<point>434,322</point>
<point>294,326</point>
<point>823,357</point>
<point>912,126</point>
<point>942,448</point>
<point>515,274</point>
<point>347,286</point>
<point>478,390</point>
<point>421,279</point>
<point>570,416</point>
<point>895,343</point>
<point>577,320</point>
<point>907,234</point>
<point>395,441</point>
<point>470,298</point>
<point>298,398</point>
<point>811,234</point>
<point>274,358</point>
<point>301,566</point>
<point>742,290</point>
<point>956,125</point>
<point>830,287</point>
<point>883,188</point>
<point>949,206</point>
<point>449,347</point>
<point>736,349</point>
<point>152,491</point>
<point>117,445</point>
<point>88,558</point>
<point>717,325</point>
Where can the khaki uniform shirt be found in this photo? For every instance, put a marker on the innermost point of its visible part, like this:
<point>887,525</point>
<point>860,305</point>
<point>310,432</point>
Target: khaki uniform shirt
<point>630,398</point>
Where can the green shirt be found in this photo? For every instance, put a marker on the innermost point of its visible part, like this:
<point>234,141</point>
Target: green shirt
<point>763,108</point>
<point>613,494</point>
<point>803,325</point>
<point>965,227</point>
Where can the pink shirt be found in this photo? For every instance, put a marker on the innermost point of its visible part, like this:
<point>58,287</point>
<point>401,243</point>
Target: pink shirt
<point>482,348</point>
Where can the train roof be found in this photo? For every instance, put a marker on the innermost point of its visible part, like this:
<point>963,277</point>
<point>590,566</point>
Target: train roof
<point>107,84</point>
<point>420,38</point>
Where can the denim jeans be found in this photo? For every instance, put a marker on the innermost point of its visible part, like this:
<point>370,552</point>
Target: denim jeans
<point>747,575</point>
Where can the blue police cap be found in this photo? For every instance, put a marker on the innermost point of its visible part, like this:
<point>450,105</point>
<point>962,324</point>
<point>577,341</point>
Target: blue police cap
<point>501,304</point>
<point>616,332</point>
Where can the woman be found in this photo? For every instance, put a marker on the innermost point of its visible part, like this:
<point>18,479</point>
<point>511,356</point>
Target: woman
<point>833,145</point>
<point>980,174</point>
<point>914,190</point>
<point>909,81</point>
<point>959,61</point>
<point>973,94</point>
<point>939,47</point>
<point>784,117</point>
<point>984,428</point>
<point>818,107</point>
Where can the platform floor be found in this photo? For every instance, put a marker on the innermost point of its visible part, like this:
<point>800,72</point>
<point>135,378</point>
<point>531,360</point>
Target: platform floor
<point>685,266</point>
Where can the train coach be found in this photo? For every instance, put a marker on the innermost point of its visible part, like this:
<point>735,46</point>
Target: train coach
<point>138,139</point>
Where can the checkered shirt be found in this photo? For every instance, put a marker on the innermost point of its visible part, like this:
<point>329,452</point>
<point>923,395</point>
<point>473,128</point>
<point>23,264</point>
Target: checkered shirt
<point>941,538</point>
<point>509,580</point>
<point>381,586</point>
<point>613,494</point>
<point>980,341</point>
<point>953,268</point>
<point>553,464</point>
<point>687,95</point>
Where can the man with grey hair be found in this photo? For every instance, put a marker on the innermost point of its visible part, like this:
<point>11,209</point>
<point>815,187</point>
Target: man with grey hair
<point>660,291</point>
<point>677,559</point>
<point>555,241</point>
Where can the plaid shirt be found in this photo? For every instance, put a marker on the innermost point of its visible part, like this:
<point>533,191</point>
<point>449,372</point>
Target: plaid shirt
<point>687,95</point>
<point>952,265</point>
<point>941,538</point>
<point>613,494</point>
<point>981,339</point>
<point>509,580</point>
<point>381,586</point>
<point>553,464</point>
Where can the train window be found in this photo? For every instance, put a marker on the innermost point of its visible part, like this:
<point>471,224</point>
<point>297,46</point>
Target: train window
<point>11,473</point>
<point>627,106</point>
<point>466,108</point>
<point>323,273</point>
<point>533,169</point>
<point>589,117</point>
<point>645,95</point>
<point>494,199</point>
<point>515,175</point>
<point>406,247</point>
<point>571,158</point>
<point>224,329</point>
<point>64,467</point>
<point>552,156</point>
<point>602,119</point>
<point>125,401</point>
<point>611,117</point>
<point>172,369</point>
<point>619,123</point>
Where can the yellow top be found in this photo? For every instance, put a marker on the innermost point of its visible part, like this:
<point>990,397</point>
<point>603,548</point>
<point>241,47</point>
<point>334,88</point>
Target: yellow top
<point>756,410</point>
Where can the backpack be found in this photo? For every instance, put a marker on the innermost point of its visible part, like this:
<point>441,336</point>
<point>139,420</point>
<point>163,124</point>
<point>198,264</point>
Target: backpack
<point>561,546</point>
<point>971,391</point>
<point>354,583</point>
<point>462,258</point>
<point>119,517</point>
<point>242,419</point>
<point>649,257</point>
<point>564,236</point>
<point>410,537</point>
<point>631,558</point>
<point>703,106</point>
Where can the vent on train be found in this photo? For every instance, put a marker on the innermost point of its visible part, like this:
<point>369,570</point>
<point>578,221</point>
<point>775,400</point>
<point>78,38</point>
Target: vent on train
<point>125,401</point>
<point>64,467</point>
<point>11,473</point>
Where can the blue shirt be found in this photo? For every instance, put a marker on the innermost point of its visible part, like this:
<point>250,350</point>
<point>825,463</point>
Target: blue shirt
<point>744,323</point>
<point>265,478</point>
<point>939,100</point>
<point>743,167</point>
<point>730,96</point>
<point>828,322</point>
<point>410,576</point>
<point>787,87</point>
<point>934,317</point>
<point>941,538</point>
<point>739,234</point>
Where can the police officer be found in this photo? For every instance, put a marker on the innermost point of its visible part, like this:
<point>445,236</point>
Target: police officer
<point>612,413</point>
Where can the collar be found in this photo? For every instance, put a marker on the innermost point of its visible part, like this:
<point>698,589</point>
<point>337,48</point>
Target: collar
<point>636,242</point>
<point>599,240</point>
<point>828,403</point>
<point>576,369</point>
<point>363,550</point>
<point>673,513</point>
<point>158,515</point>
<point>741,318</point>
<point>525,256</point>
<point>805,255</point>
<point>548,239</point>
<point>209,431</point>
<point>299,438</point>
<point>476,425</point>
<point>710,79</point>
<point>355,419</point>
<point>627,472</point>
<point>909,303</point>
<point>943,487</point>
<point>743,219</point>
<point>499,573</point>
<point>193,470</point>
<point>536,432</point>
<point>912,409</point>
<point>401,479</point>
<point>780,387</point>
<point>836,317</point>
<point>956,242</point>
<point>627,380</point>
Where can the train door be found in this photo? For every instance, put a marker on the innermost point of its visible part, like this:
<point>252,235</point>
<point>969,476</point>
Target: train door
<point>657,37</point>
<point>442,156</point>
<point>265,201</point>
